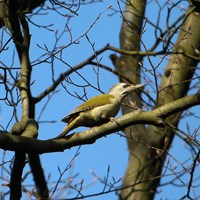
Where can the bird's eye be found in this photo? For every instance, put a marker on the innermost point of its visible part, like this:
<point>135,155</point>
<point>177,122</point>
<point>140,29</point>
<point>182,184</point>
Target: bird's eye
<point>125,85</point>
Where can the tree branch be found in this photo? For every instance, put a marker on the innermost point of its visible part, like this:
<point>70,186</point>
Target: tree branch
<point>155,117</point>
<point>62,76</point>
<point>16,176</point>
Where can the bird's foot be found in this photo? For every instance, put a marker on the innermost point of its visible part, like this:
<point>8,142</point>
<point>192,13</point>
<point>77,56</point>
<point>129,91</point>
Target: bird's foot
<point>112,119</point>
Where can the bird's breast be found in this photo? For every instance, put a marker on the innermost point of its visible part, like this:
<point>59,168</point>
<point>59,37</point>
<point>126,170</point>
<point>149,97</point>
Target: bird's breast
<point>96,116</point>
<point>105,111</point>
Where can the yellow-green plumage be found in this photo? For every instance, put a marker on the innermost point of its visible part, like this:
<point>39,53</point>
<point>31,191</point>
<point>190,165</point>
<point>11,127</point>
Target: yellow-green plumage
<point>98,109</point>
<point>99,100</point>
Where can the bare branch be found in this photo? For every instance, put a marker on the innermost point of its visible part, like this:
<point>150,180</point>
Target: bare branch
<point>155,117</point>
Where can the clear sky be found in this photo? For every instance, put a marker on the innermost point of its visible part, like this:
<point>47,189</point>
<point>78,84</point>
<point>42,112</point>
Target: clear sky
<point>109,152</point>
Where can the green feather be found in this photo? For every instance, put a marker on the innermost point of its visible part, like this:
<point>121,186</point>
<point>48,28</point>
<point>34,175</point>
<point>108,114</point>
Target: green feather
<point>96,101</point>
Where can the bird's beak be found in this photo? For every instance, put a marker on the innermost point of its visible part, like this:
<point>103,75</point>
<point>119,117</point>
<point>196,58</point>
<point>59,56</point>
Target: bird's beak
<point>139,86</point>
<point>132,88</point>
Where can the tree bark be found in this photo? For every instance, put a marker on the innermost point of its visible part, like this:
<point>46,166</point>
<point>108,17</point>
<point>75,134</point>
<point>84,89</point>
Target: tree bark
<point>148,145</point>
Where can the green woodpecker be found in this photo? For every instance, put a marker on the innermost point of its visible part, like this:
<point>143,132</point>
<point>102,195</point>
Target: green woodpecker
<point>99,109</point>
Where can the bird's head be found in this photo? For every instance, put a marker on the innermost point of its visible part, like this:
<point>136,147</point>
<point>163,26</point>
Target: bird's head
<point>123,89</point>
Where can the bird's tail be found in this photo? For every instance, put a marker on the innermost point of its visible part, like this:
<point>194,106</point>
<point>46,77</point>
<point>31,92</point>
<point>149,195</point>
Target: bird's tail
<point>64,132</point>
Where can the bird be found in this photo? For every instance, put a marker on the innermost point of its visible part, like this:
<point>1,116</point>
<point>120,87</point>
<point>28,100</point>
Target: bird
<point>99,109</point>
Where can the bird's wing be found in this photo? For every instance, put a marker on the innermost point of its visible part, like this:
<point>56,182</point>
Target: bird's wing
<point>96,101</point>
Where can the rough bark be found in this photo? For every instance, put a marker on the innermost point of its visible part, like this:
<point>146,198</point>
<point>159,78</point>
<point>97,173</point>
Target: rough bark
<point>145,163</point>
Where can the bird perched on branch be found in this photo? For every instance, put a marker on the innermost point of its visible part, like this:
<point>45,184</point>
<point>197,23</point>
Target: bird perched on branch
<point>99,109</point>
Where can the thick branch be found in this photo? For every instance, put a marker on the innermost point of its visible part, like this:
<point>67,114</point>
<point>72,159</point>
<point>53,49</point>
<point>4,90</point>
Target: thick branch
<point>129,66</point>
<point>26,126</point>
<point>15,181</point>
<point>155,117</point>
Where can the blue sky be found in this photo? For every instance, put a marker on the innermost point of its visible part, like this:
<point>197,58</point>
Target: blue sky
<point>112,150</point>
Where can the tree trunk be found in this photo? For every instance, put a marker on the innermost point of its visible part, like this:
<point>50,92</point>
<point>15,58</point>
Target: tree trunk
<point>148,145</point>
